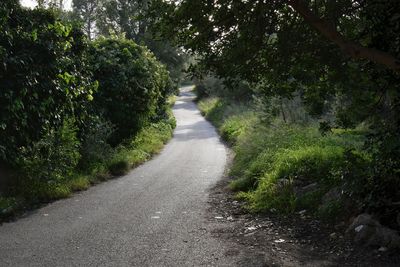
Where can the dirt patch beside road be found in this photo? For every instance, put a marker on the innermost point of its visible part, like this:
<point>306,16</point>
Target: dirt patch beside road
<point>296,240</point>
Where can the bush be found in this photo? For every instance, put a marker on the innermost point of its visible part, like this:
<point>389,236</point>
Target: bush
<point>43,77</point>
<point>49,163</point>
<point>234,90</point>
<point>296,167</point>
<point>273,162</point>
<point>53,138</point>
<point>256,151</point>
<point>141,147</point>
<point>7,206</point>
<point>133,85</point>
<point>119,167</point>
<point>231,119</point>
<point>95,149</point>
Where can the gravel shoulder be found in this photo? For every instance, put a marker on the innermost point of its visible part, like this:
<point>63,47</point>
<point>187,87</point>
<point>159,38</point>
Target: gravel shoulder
<point>296,240</point>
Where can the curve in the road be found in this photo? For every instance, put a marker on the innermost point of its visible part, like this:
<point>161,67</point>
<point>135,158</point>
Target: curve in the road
<point>154,216</point>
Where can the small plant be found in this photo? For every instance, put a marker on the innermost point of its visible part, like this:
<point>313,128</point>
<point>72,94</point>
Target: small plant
<point>7,206</point>
<point>119,167</point>
<point>95,149</point>
<point>48,163</point>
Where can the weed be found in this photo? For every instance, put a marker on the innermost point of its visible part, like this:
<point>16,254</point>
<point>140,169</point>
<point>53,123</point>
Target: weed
<point>273,161</point>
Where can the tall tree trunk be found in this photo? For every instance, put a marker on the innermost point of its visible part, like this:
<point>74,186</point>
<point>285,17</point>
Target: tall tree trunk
<point>353,49</point>
<point>89,28</point>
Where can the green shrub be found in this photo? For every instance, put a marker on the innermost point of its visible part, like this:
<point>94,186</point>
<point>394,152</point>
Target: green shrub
<point>233,90</point>
<point>79,183</point>
<point>48,163</point>
<point>95,149</point>
<point>119,167</point>
<point>272,162</point>
<point>331,211</point>
<point>300,166</point>
<point>207,86</point>
<point>43,76</point>
<point>231,119</point>
<point>236,125</point>
<point>257,149</point>
<point>148,141</point>
<point>133,85</point>
<point>213,109</point>
<point>7,206</point>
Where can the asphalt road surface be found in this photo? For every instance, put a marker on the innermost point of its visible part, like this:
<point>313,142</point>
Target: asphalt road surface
<point>154,216</point>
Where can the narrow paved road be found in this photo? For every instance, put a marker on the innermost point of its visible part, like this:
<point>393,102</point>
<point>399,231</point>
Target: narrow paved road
<point>154,216</point>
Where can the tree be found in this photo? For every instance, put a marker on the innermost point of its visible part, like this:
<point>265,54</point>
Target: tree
<point>131,76</point>
<point>132,18</point>
<point>124,16</point>
<point>340,56</point>
<point>274,43</point>
<point>353,49</point>
<point>87,11</point>
<point>58,4</point>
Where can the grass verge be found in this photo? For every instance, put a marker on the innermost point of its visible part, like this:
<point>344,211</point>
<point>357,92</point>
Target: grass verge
<point>286,167</point>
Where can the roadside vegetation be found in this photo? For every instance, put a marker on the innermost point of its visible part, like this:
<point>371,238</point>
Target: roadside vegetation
<point>286,166</point>
<point>307,92</point>
<point>274,163</point>
<point>73,112</point>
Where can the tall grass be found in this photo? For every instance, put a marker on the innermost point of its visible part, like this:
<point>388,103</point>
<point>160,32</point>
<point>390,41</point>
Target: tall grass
<point>273,161</point>
<point>232,119</point>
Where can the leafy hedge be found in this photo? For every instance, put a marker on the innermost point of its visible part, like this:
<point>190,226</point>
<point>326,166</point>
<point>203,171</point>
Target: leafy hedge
<point>73,112</point>
<point>133,85</point>
<point>43,76</point>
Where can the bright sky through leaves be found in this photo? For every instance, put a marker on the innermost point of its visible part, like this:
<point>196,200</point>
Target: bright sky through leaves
<point>33,3</point>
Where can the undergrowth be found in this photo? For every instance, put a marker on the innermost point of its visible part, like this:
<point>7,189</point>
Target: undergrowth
<point>286,167</point>
<point>134,151</point>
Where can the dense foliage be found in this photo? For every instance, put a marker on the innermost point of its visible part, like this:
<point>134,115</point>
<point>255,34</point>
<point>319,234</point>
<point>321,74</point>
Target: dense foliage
<point>73,111</point>
<point>43,76</point>
<point>284,167</point>
<point>129,75</point>
<point>332,62</point>
<point>130,18</point>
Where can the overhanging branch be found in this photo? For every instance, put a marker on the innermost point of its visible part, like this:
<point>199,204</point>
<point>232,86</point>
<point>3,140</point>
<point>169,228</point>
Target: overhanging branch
<point>353,49</point>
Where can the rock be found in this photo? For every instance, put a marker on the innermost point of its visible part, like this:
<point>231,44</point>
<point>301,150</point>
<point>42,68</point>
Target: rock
<point>332,195</point>
<point>302,212</point>
<point>251,229</point>
<point>359,228</point>
<point>398,219</point>
<point>382,249</point>
<point>365,230</point>
<point>364,219</point>
<point>301,191</point>
<point>282,183</point>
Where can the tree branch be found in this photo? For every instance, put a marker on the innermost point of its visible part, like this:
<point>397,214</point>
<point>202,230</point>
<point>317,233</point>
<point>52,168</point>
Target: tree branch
<point>353,49</point>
